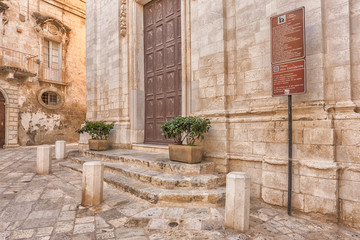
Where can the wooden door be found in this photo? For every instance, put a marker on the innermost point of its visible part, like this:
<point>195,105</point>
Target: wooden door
<point>2,120</point>
<point>162,43</point>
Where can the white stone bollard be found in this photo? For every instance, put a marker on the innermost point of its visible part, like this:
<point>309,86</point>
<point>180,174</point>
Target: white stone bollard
<point>60,149</point>
<point>237,204</point>
<point>92,183</point>
<point>43,160</point>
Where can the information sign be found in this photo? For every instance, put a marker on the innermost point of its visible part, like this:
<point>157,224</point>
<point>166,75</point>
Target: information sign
<point>287,36</point>
<point>289,78</point>
<point>288,53</point>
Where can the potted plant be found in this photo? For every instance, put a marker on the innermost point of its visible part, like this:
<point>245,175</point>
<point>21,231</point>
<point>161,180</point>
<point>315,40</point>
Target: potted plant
<point>99,132</point>
<point>187,129</point>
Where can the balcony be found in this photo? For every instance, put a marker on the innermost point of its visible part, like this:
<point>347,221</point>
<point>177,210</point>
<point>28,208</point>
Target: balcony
<point>17,63</point>
<point>52,74</point>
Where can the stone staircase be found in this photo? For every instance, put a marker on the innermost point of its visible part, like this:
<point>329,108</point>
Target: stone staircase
<point>153,177</point>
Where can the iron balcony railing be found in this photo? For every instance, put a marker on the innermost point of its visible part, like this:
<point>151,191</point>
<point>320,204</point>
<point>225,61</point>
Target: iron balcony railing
<point>52,73</point>
<point>18,61</point>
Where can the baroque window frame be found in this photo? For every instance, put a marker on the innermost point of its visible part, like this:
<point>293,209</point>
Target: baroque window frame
<point>51,29</point>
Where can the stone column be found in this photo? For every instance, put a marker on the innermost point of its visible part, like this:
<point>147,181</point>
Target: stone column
<point>92,183</point>
<point>237,204</point>
<point>43,160</point>
<point>84,141</point>
<point>60,149</point>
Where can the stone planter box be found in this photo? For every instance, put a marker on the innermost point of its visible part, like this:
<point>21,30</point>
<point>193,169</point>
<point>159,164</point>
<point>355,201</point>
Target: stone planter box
<point>185,153</point>
<point>98,145</point>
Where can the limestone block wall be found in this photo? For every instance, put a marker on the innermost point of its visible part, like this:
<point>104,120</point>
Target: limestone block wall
<point>347,154</point>
<point>104,56</point>
<point>107,79</point>
<point>10,93</point>
<point>355,49</point>
<point>227,77</point>
<point>231,84</point>
<point>36,123</point>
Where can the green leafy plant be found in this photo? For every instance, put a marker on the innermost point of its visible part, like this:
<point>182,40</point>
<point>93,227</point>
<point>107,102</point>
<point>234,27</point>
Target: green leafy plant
<point>98,130</point>
<point>189,128</point>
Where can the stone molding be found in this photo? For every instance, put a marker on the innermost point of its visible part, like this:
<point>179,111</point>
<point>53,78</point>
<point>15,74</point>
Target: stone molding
<point>3,7</point>
<point>4,21</point>
<point>320,165</point>
<point>10,146</point>
<point>122,20</point>
<point>4,17</point>
<point>11,106</point>
<point>244,157</point>
<point>51,89</point>
<point>43,22</point>
<point>276,162</point>
<point>51,28</point>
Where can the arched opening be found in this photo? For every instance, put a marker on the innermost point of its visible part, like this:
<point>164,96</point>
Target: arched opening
<point>2,120</point>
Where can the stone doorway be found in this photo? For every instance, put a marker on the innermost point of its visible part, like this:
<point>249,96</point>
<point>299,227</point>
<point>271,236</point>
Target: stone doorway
<point>162,48</point>
<point>2,120</point>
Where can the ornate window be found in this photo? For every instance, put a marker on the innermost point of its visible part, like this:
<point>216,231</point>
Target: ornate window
<point>51,98</point>
<point>52,61</point>
<point>55,41</point>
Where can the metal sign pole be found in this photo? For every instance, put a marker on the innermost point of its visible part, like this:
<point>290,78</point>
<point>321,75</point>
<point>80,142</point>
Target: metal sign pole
<point>290,153</point>
<point>288,66</point>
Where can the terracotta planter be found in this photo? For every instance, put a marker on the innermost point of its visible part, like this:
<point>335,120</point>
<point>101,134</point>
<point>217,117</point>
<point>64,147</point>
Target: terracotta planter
<point>185,153</point>
<point>98,145</point>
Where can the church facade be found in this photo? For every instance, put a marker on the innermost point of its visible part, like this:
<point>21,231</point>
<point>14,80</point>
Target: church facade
<point>148,61</point>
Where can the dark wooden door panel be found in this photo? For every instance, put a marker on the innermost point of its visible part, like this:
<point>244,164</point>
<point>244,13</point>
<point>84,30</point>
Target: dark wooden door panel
<point>162,44</point>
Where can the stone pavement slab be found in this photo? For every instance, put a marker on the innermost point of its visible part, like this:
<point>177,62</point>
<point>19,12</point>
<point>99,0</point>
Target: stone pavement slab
<point>48,207</point>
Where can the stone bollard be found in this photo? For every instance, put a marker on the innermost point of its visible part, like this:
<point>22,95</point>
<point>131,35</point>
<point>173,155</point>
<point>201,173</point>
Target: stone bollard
<point>43,160</point>
<point>60,149</point>
<point>92,183</point>
<point>237,204</point>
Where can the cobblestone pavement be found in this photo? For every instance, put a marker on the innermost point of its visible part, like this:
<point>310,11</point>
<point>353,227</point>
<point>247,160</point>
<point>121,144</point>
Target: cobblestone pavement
<point>47,207</point>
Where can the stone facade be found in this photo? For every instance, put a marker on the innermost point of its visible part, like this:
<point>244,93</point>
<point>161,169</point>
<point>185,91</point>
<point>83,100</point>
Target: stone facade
<point>226,76</point>
<point>42,70</point>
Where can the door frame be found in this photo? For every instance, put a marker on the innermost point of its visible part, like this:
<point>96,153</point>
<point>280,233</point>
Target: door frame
<point>136,66</point>
<point>7,111</point>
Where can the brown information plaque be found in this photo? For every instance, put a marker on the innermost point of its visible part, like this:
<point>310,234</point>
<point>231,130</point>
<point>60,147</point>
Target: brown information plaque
<point>288,78</point>
<point>287,36</point>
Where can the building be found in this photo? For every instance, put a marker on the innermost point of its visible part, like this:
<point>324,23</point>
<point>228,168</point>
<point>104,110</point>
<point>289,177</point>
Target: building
<point>42,71</point>
<point>152,60</point>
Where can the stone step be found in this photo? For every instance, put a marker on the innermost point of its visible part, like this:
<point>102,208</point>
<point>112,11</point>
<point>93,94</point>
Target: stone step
<point>160,179</point>
<point>151,148</point>
<point>159,195</point>
<point>152,161</point>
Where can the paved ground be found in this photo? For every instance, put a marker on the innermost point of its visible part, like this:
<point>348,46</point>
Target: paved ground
<point>47,207</point>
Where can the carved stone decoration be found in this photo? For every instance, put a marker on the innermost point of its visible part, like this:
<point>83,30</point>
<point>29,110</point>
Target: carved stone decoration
<point>4,20</point>
<point>3,7</point>
<point>123,18</point>
<point>50,25</point>
<point>52,29</point>
<point>38,29</point>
